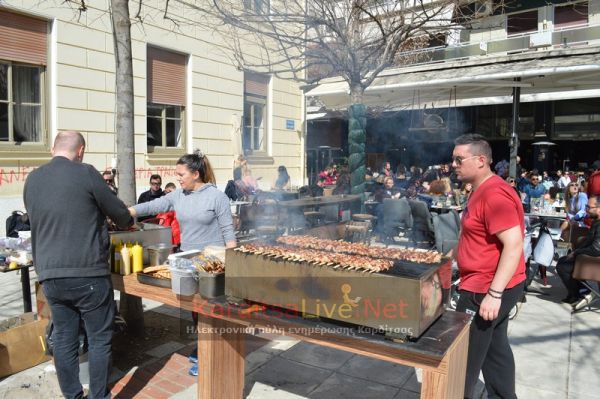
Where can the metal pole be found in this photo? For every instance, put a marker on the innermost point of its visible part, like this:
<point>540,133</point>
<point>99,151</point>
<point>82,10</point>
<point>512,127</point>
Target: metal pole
<point>514,137</point>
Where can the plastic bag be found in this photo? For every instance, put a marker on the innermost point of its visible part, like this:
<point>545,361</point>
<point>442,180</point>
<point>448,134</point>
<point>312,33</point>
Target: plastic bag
<point>543,253</point>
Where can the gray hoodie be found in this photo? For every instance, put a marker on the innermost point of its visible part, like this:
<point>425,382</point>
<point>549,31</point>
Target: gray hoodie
<point>204,215</point>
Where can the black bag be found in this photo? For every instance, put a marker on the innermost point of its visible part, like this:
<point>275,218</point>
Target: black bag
<point>83,342</point>
<point>231,190</point>
<point>17,221</point>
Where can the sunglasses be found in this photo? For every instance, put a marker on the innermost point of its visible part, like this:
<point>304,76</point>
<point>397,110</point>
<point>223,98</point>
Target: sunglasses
<point>590,207</point>
<point>458,160</point>
<point>109,180</point>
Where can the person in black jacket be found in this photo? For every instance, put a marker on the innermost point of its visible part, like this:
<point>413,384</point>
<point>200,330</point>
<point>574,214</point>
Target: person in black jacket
<point>590,246</point>
<point>68,203</point>
<point>154,192</point>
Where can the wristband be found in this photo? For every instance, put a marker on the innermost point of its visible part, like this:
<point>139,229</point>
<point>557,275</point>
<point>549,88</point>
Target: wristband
<point>494,296</point>
<point>495,292</point>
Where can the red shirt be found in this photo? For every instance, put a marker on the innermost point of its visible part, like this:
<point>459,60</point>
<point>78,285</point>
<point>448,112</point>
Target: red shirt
<point>492,208</point>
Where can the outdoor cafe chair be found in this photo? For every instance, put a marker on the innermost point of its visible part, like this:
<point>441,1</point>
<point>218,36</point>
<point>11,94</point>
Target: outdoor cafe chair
<point>422,228</point>
<point>396,218</point>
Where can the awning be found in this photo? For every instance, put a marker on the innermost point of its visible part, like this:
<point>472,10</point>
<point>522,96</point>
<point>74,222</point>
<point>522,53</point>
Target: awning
<point>555,77</point>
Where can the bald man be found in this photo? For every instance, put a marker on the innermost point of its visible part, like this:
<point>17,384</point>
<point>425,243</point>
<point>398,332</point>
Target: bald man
<point>68,203</point>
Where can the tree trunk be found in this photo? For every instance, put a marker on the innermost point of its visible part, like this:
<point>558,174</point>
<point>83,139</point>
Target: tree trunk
<point>131,306</point>
<point>357,123</point>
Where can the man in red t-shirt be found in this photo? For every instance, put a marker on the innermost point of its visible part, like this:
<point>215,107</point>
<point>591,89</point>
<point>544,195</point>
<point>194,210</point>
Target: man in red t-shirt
<point>491,264</point>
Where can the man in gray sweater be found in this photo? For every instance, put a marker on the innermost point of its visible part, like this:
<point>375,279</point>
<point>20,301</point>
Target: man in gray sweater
<point>68,202</point>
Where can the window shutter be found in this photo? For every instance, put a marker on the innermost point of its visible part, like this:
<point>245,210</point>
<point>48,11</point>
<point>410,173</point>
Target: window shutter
<point>256,84</point>
<point>571,15</point>
<point>23,39</point>
<point>165,77</point>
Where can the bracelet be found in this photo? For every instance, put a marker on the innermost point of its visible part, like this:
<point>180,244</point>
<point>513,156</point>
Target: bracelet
<point>494,296</point>
<point>496,292</point>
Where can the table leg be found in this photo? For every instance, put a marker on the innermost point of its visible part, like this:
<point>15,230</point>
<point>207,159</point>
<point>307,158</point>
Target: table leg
<point>448,381</point>
<point>221,359</point>
<point>26,289</point>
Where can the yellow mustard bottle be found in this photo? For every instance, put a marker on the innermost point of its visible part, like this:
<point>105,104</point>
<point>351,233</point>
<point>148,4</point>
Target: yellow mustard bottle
<point>137,256</point>
<point>125,261</point>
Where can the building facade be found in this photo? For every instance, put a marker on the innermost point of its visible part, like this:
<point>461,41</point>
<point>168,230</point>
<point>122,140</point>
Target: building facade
<point>547,49</point>
<point>57,72</point>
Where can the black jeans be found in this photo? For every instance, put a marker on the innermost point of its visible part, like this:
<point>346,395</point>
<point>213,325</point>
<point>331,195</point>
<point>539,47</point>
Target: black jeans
<point>90,299</point>
<point>489,349</point>
<point>564,269</point>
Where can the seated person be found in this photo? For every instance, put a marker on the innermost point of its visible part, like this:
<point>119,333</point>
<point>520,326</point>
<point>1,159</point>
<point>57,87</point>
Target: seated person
<point>590,246</point>
<point>464,193</point>
<point>533,190</point>
<point>343,182</point>
<point>283,179</point>
<point>387,190</point>
<point>575,202</point>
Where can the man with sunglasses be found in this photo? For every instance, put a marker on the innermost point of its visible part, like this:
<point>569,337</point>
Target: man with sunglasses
<point>533,190</point>
<point>152,194</point>
<point>491,265</point>
<point>590,246</point>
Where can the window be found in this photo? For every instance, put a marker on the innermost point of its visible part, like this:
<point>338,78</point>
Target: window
<point>23,51</point>
<point>523,22</point>
<point>260,7</point>
<point>166,100</point>
<point>20,103</point>
<point>254,138</point>
<point>571,15</point>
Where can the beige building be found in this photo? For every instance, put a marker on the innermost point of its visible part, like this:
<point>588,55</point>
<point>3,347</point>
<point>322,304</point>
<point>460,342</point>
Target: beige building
<point>57,72</point>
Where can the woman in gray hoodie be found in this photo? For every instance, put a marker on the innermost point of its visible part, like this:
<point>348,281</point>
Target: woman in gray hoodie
<point>203,212</point>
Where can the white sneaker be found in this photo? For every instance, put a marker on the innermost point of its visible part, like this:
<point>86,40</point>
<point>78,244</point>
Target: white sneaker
<point>589,297</point>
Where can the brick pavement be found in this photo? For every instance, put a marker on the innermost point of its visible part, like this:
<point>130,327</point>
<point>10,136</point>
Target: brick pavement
<point>160,379</point>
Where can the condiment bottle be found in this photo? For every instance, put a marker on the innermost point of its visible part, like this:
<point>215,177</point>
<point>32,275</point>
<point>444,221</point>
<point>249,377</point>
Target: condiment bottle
<point>125,261</point>
<point>137,257</point>
<point>117,263</point>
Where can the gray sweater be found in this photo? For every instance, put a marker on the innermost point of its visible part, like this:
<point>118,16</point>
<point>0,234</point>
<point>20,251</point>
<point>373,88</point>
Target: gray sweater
<point>68,203</point>
<point>204,216</point>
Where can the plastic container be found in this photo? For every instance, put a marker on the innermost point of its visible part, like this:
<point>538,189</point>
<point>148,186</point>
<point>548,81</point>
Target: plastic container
<point>211,285</point>
<point>183,281</point>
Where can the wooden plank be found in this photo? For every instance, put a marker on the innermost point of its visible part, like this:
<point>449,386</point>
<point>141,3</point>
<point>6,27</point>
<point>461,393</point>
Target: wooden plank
<point>449,380</point>
<point>221,350</point>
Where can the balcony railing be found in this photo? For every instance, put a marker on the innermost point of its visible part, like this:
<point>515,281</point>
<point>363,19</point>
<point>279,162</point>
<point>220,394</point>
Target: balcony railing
<point>515,44</point>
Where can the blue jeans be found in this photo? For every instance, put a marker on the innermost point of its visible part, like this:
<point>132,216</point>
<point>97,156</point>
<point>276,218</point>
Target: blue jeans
<point>90,299</point>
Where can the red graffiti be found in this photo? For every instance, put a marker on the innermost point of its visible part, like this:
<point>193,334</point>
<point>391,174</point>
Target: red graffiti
<point>12,176</point>
<point>19,174</point>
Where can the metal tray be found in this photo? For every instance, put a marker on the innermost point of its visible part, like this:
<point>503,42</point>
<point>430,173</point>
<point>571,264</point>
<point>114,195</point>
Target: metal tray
<point>158,282</point>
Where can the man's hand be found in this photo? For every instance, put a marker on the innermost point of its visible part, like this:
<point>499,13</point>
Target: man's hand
<point>489,308</point>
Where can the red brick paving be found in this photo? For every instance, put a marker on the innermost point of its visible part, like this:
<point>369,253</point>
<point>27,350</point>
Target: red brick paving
<point>159,380</point>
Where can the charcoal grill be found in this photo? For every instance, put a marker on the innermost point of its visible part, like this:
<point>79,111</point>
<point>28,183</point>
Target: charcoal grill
<point>402,302</point>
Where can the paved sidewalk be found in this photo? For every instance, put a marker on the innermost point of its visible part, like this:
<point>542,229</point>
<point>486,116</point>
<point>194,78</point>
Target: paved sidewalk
<point>554,352</point>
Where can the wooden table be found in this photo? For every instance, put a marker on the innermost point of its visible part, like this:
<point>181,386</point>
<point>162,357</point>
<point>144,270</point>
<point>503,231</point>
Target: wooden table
<point>441,351</point>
